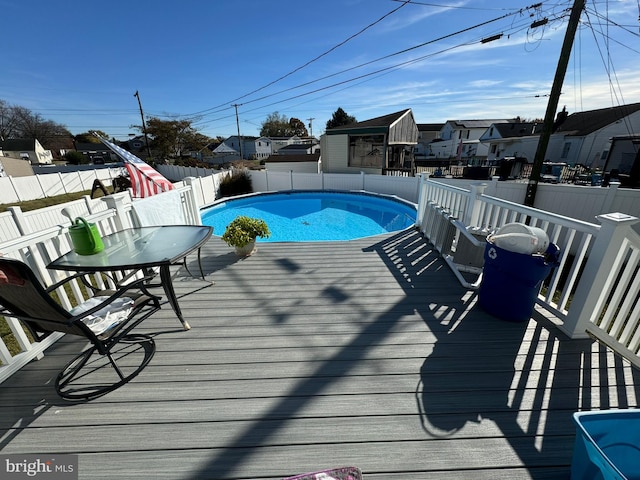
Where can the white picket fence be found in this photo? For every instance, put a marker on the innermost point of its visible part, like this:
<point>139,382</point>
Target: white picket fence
<point>593,291</point>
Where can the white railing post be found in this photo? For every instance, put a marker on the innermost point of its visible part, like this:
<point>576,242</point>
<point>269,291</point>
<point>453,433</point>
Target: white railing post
<point>121,219</point>
<point>88,203</point>
<point>471,215</point>
<point>191,199</point>
<point>595,282</point>
<point>22,223</point>
<point>422,198</point>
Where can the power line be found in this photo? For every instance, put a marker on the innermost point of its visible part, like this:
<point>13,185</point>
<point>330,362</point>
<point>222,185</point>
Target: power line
<point>335,47</point>
<point>375,72</point>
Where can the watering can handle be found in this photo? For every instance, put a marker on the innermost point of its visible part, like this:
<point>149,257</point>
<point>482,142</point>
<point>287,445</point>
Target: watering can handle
<point>87,227</point>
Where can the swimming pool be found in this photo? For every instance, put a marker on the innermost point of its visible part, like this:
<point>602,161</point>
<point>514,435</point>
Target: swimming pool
<point>315,216</point>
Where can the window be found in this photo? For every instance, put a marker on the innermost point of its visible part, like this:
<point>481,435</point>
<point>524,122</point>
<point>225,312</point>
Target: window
<point>565,150</point>
<point>366,151</point>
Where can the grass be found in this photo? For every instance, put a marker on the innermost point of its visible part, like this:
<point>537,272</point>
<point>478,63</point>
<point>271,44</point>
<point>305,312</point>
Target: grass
<point>45,202</point>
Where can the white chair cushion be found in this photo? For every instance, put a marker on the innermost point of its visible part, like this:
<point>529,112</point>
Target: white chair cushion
<point>108,316</point>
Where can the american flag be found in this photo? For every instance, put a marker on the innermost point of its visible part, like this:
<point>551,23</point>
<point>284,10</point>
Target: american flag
<point>145,180</point>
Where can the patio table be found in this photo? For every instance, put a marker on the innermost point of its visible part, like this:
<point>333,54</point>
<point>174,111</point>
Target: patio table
<point>141,248</point>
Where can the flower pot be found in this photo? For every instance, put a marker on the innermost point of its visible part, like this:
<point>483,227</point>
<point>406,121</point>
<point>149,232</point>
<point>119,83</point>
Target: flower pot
<point>247,250</point>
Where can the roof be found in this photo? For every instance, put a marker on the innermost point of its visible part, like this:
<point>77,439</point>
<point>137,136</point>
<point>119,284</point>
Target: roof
<point>297,146</point>
<point>18,144</point>
<point>303,157</point>
<point>584,123</point>
<point>376,124</point>
<point>224,148</point>
<point>430,127</point>
<point>477,123</point>
<point>517,129</point>
<point>92,147</point>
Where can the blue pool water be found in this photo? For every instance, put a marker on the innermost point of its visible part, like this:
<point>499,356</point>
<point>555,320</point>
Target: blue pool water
<point>315,216</point>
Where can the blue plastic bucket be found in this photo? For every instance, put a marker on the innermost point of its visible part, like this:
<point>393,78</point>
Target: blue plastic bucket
<point>511,281</point>
<point>607,445</point>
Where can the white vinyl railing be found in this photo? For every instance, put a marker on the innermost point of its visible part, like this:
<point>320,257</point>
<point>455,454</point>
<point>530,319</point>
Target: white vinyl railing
<point>594,290</point>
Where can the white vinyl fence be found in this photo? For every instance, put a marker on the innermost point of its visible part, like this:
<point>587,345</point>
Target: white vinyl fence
<point>33,187</point>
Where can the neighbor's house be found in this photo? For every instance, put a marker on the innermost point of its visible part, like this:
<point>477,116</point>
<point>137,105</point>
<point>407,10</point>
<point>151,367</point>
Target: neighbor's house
<point>280,142</point>
<point>460,141</point>
<point>96,153</point>
<point>370,146</point>
<point>298,163</point>
<point>252,148</point>
<point>512,140</point>
<point>222,154</point>
<point>27,150</point>
<point>584,136</point>
<point>299,149</point>
<point>135,144</point>
<point>427,134</point>
<point>581,138</point>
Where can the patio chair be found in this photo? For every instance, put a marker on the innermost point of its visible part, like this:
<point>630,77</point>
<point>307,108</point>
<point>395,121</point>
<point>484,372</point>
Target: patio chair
<point>163,209</point>
<point>106,320</point>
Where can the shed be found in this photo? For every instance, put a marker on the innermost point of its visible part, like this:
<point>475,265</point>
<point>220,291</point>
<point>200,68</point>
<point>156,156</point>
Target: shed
<point>372,145</point>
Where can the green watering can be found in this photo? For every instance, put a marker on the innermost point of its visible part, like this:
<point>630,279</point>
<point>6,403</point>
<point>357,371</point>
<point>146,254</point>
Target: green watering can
<point>85,237</point>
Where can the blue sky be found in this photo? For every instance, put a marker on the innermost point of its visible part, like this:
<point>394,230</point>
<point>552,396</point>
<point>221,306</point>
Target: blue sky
<point>79,63</point>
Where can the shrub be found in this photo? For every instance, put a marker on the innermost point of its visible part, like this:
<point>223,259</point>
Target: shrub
<point>238,183</point>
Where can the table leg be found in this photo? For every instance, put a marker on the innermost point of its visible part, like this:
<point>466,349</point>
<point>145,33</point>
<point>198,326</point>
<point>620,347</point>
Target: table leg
<point>167,285</point>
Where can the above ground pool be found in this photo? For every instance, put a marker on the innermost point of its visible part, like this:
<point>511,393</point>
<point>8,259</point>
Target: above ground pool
<point>315,216</point>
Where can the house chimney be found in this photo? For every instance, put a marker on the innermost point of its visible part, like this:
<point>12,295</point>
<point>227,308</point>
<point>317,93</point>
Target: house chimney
<point>560,118</point>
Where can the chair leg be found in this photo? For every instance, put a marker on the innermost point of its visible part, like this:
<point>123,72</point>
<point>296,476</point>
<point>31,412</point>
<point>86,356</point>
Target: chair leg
<point>84,380</point>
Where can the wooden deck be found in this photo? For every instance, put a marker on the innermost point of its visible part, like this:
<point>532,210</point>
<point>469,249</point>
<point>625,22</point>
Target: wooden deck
<point>307,356</point>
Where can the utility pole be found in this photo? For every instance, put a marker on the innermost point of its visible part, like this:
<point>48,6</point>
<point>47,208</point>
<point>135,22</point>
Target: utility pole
<point>144,125</point>
<point>552,106</point>
<point>311,126</point>
<point>236,105</point>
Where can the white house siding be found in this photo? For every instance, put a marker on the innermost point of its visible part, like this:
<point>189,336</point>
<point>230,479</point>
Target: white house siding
<point>584,150</point>
<point>513,147</point>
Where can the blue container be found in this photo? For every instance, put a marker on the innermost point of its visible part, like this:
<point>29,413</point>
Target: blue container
<point>607,445</point>
<point>511,281</point>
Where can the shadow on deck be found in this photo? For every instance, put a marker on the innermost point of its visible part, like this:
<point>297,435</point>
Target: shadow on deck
<point>307,356</point>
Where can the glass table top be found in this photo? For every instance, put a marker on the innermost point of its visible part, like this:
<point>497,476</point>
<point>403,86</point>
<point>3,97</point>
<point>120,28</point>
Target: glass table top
<point>137,248</point>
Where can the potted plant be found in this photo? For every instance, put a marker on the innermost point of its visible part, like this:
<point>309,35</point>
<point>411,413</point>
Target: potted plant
<point>242,232</point>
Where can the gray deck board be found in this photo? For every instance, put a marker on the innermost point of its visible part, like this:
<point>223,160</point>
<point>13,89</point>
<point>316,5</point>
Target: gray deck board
<point>307,356</point>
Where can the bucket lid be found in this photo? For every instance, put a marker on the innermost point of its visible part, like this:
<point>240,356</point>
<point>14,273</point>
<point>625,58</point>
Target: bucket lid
<point>520,238</point>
